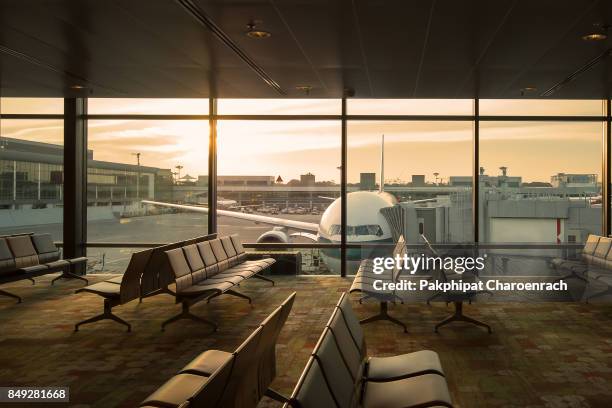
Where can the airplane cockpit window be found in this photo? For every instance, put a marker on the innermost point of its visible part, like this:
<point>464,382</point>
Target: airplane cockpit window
<point>371,229</point>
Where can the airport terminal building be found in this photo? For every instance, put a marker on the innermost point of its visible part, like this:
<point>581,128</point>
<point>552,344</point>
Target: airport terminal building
<point>200,202</point>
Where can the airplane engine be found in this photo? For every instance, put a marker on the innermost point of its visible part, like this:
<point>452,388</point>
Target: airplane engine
<point>277,235</point>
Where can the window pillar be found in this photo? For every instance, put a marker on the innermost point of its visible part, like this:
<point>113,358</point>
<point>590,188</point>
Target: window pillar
<point>75,178</point>
<point>343,191</point>
<point>606,173</point>
<point>212,165</point>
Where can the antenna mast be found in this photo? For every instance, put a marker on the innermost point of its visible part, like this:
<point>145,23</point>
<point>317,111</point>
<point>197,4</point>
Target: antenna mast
<point>381,188</point>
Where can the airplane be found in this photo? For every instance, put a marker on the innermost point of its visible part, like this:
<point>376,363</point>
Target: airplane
<point>365,225</point>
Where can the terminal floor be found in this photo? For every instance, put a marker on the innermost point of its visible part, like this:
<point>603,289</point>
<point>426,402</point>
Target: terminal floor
<point>539,355</point>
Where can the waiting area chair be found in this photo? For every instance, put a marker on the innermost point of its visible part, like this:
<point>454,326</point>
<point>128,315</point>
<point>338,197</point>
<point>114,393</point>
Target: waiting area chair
<point>223,379</point>
<point>339,373</point>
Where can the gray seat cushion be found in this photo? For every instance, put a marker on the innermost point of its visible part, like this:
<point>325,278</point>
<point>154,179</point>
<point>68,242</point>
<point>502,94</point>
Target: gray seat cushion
<point>404,365</point>
<point>205,286</point>
<point>423,390</point>
<point>244,274</point>
<point>176,390</point>
<point>34,269</point>
<point>105,289</point>
<point>23,251</point>
<point>117,280</point>
<point>77,260</point>
<point>44,245</point>
<point>207,362</point>
<point>59,264</point>
<point>231,279</point>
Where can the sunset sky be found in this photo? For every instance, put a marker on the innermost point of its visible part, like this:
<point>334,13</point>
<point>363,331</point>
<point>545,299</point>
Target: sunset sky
<point>533,150</point>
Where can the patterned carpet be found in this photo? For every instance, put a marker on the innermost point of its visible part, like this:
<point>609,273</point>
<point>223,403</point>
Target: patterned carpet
<point>539,355</point>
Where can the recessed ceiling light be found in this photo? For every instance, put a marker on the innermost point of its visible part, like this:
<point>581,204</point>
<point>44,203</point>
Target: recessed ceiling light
<point>528,89</point>
<point>254,32</point>
<point>304,88</point>
<point>600,33</point>
<point>595,37</point>
<point>77,87</point>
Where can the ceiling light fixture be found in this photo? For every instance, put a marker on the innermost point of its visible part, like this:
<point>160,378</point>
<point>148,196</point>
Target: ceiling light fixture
<point>77,87</point>
<point>528,89</point>
<point>304,88</point>
<point>600,33</point>
<point>254,32</point>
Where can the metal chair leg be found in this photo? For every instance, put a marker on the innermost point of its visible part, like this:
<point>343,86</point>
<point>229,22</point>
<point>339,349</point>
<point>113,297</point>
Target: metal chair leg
<point>186,314</point>
<point>264,278</point>
<point>384,315</point>
<point>107,314</point>
<point>164,290</point>
<point>238,294</point>
<point>458,316</point>
<point>5,293</point>
<point>69,275</point>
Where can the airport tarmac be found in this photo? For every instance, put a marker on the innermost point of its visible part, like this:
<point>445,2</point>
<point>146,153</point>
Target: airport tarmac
<point>154,228</point>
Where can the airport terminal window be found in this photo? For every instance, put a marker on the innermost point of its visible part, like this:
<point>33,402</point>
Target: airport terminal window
<point>32,105</point>
<point>427,167</point>
<point>410,106</point>
<point>156,160</point>
<point>539,107</point>
<point>286,171</point>
<point>167,106</point>
<point>279,106</point>
<point>31,176</point>
<point>540,181</point>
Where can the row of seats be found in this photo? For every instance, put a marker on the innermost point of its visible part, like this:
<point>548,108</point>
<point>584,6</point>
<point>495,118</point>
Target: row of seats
<point>595,262</point>
<point>146,275</point>
<point>209,269</point>
<point>30,255</point>
<point>218,378</point>
<point>223,262</point>
<point>340,374</point>
<point>364,283</point>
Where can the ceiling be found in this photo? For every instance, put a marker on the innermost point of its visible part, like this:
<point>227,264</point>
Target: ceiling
<point>377,48</point>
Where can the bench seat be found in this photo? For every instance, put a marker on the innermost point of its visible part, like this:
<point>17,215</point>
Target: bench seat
<point>403,366</point>
<point>207,362</point>
<point>104,289</point>
<point>116,280</point>
<point>419,391</point>
<point>176,391</point>
<point>218,378</point>
<point>207,269</point>
<point>207,287</point>
<point>339,373</point>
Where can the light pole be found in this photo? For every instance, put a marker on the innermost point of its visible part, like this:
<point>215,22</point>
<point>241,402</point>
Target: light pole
<point>178,172</point>
<point>137,174</point>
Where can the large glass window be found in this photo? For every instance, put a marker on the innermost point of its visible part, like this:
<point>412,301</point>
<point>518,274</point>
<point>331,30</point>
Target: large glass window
<point>410,106</point>
<point>32,106</point>
<point>31,176</point>
<point>134,160</point>
<point>426,168</point>
<point>286,174</point>
<point>540,107</point>
<point>540,181</point>
<point>168,106</point>
<point>279,106</point>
